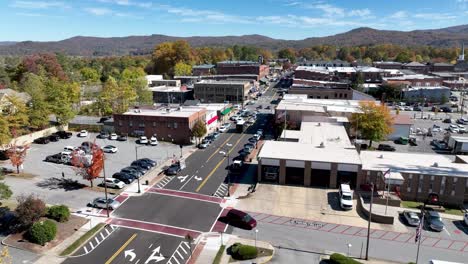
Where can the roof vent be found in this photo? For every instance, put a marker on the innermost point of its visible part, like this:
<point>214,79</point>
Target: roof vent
<point>322,145</point>
<point>435,164</point>
<point>381,156</point>
<point>319,125</point>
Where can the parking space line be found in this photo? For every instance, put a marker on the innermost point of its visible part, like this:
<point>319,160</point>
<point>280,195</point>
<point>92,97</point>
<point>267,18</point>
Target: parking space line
<point>97,240</point>
<point>345,230</point>
<point>85,249</point>
<point>102,235</point>
<point>463,248</point>
<point>451,243</point>
<point>333,228</point>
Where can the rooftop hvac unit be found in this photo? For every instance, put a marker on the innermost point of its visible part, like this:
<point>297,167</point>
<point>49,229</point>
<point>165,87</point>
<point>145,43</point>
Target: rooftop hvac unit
<point>322,145</point>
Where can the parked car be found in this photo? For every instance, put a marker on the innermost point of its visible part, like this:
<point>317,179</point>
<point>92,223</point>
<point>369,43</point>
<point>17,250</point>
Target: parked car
<point>104,119</point>
<point>417,108</point>
<point>142,164</point>
<point>101,203</point>
<point>110,149</point>
<point>260,131</point>
<point>83,133</point>
<point>225,127</point>
<point>149,161</point>
<point>433,221</point>
<point>122,138</point>
<point>113,136</point>
<point>132,171</point>
<point>385,147</point>
<point>207,140</point>
<point>240,219</point>
<point>103,135</point>
<point>436,128</point>
<point>125,177</point>
<point>268,107</point>
<point>63,134</point>
<point>203,145</point>
<point>153,141</point>
<point>143,169</point>
<point>175,168</point>
<point>446,109</point>
<point>42,140</point>
<point>234,117</point>
<point>439,144</point>
<point>113,183</point>
<point>239,119</point>
<point>454,128</point>
<point>448,121</point>
<point>461,129</point>
<point>56,158</point>
<point>462,121</point>
<point>53,138</point>
<point>257,137</point>
<point>215,135</point>
<point>248,149</point>
<point>402,140</point>
<point>411,218</point>
<point>143,140</point>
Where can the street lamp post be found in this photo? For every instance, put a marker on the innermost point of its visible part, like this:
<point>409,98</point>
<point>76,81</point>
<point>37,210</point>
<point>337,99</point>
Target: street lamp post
<point>369,221</point>
<point>136,158</point>
<point>256,233</point>
<point>105,185</point>
<point>349,249</point>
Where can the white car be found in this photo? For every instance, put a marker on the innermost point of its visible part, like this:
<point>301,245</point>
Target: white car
<point>203,145</point>
<point>70,148</point>
<point>239,119</point>
<point>110,149</point>
<point>114,183</point>
<point>461,129</point>
<point>83,133</point>
<point>454,129</point>
<point>143,140</point>
<point>224,127</point>
<point>153,141</point>
<point>113,136</point>
<point>234,117</point>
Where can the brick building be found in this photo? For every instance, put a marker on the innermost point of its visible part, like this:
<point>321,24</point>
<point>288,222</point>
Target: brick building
<point>414,80</point>
<point>204,69</point>
<point>171,95</point>
<point>242,67</point>
<point>210,91</point>
<point>441,67</point>
<point>168,124</point>
<point>390,65</point>
<point>313,73</point>
<point>322,90</point>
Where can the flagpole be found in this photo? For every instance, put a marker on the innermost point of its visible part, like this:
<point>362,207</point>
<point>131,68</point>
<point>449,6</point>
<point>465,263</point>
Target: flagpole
<point>420,235</point>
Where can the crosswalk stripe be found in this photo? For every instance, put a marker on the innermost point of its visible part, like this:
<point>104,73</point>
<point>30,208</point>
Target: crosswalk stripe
<point>183,250</point>
<point>102,235</point>
<point>175,259</point>
<point>97,240</point>
<point>178,253</point>
<point>91,244</point>
<point>85,249</point>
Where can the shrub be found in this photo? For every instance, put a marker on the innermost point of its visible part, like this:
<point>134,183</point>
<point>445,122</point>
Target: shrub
<point>336,258</point>
<point>59,213</point>
<point>29,210</point>
<point>243,252</point>
<point>42,232</point>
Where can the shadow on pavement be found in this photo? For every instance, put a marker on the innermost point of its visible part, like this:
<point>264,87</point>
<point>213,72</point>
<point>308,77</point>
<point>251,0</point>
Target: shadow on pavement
<point>461,226</point>
<point>60,183</point>
<point>333,201</point>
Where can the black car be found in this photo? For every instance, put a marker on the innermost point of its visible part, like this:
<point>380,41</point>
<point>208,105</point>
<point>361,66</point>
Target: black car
<point>417,108</point>
<point>141,164</point>
<point>149,161</point>
<point>385,147</point>
<point>446,109</point>
<point>56,158</point>
<point>174,169</point>
<point>132,171</point>
<point>125,177</point>
<point>139,169</point>
<point>42,140</point>
<point>64,134</point>
<point>122,138</point>
<point>53,138</point>
<point>433,221</point>
<point>104,119</point>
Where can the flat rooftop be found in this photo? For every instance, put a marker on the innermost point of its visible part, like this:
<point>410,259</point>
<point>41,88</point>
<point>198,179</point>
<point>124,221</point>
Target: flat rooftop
<point>410,77</point>
<point>222,82</point>
<point>319,69</point>
<point>416,88</point>
<point>317,133</point>
<point>306,152</point>
<point>164,88</point>
<point>300,103</point>
<point>185,111</point>
<point>432,164</point>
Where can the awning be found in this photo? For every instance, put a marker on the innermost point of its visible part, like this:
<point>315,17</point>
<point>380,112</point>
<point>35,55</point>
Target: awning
<point>394,178</point>
<point>214,118</point>
<point>226,111</point>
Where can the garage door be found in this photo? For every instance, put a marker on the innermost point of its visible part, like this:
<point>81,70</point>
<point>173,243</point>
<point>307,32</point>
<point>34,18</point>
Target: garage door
<point>320,178</point>
<point>295,176</point>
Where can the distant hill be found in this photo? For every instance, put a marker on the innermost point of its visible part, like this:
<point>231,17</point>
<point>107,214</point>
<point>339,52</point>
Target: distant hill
<point>6,43</point>
<point>95,46</point>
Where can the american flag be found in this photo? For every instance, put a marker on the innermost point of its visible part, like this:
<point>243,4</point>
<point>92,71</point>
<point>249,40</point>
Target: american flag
<point>419,230</point>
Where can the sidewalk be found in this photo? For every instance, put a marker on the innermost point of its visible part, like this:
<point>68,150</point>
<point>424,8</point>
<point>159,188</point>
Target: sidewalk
<point>214,241</point>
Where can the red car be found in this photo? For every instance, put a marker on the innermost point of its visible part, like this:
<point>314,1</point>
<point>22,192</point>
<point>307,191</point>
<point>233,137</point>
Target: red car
<point>241,219</point>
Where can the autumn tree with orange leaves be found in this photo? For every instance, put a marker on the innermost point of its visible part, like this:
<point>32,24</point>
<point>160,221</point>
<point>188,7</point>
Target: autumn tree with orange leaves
<point>17,155</point>
<point>89,166</point>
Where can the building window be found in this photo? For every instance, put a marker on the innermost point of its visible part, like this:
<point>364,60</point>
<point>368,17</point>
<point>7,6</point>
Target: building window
<point>326,96</point>
<point>120,122</point>
<point>430,187</point>
<point>442,185</point>
<point>420,183</point>
<point>175,125</point>
<point>130,123</point>
<point>154,124</point>
<point>168,125</point>
<point>336,95</point>
<point>141,125</point>
<point>345,95</point>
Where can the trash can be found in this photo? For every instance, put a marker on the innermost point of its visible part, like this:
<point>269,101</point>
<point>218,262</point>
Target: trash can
<point>146,182</point>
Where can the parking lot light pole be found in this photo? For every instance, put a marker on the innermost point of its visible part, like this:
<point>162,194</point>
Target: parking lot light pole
<point>105,185</point>
<point>256,233</point>
<point>136,158</point>
<point>369,221</point>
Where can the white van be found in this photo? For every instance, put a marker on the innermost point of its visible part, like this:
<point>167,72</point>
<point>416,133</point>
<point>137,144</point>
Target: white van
<point>346,197</point>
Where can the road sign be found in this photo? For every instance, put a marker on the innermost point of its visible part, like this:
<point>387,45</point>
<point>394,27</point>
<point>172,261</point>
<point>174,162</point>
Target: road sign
<point>182,178</point>
<point>156,256</point>
<point>130,253</point>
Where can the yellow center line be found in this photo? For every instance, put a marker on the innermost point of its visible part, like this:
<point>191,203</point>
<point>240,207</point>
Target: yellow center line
<point>121,248</point>
<point>219,148</point>
<point>217,165</point>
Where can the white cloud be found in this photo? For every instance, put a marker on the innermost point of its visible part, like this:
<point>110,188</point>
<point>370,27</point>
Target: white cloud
<point>360,12</point>
<point>98,11</point>
<point>329,10</point>
<point>432,16</point>
<point>208,16</point>
<point>292,3</point>
<point>38,4</point>
<point>399,15</point>
<point>127,3</point>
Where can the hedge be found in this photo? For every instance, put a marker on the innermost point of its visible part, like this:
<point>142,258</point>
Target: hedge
<point>336,258</point>
<point>42,232</point>
<point>59,213</point>
<point>243,252</point>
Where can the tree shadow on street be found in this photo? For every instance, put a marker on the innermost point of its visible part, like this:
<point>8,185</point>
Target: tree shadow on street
<point>60,183</point>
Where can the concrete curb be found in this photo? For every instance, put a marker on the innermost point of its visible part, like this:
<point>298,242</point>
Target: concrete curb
<point>84,242</point>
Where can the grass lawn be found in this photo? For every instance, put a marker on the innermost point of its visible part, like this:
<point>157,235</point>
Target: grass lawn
<point>219,254</point>
<point>416,205</point>
<point>70,249</point>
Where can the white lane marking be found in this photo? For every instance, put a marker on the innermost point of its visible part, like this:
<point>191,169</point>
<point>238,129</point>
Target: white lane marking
<point>91,244</point>
<point>150,245</point>
<point>97,240</point>
<point>187,182</point>
<point>102,235</point>
<point>446,231</point>
<point>107,231</point>
<point>178,253</point>
<point>183,250</point>
<point>86,250</point>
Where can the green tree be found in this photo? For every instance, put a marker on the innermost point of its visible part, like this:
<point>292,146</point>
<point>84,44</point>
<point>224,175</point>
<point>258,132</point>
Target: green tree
<point>17,116</point>
<point>89,75</point>
<point>358,82</point>
<point>199,129</point>
<point>38,112</point>
<point>443,99</point>
<point>61,97</point>
<point>287,54</point>
<point>374,122</point>
<point>5,134</point>
<point>403,57</point>
<point>5,191</point>
<point>135,77</point>
<point>182,69</point>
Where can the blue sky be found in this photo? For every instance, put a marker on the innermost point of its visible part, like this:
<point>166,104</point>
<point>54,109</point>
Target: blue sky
<point>286,19</point>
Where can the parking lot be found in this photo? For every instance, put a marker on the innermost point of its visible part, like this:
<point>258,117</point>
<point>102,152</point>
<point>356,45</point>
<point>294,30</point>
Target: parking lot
<point>426,123</point>
<point>49,183</point>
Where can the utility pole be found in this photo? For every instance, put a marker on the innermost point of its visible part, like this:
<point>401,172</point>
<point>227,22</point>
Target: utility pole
<point>138,178</point>
<point>105,185</point>
<point>369,221</point>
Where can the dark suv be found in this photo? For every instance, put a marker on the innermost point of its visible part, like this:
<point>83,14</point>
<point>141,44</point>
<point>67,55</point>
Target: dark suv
<point>385,147</point>
<point>125,177</point>
<point>63,134</point>
<point>142,164</point>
